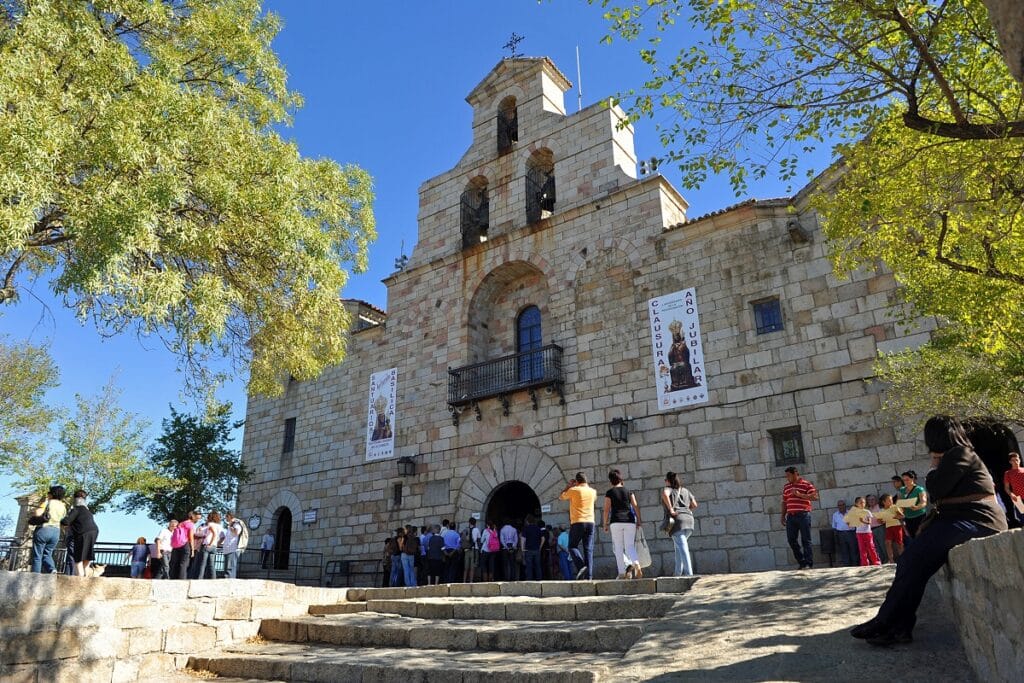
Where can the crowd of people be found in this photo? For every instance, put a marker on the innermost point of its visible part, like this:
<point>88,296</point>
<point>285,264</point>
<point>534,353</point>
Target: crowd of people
<point>185,549</point>
<point>530,549</point>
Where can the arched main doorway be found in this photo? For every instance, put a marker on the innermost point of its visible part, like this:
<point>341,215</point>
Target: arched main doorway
<point>283,533</point>
<point>512,501</point>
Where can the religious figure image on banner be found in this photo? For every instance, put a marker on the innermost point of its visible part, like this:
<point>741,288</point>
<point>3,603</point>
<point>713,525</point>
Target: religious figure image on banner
<point>678,351</point>
<point>380,419</point>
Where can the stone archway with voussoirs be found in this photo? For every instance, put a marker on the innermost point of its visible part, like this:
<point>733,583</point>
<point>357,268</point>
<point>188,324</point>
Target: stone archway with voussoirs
<point>515,462</point>
<point>283,498</point>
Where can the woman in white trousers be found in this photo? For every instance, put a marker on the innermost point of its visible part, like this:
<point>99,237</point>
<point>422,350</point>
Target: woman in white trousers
<point>621,519</point>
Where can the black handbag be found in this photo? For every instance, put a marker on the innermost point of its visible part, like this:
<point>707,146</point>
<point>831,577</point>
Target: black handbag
<point>39,520</point>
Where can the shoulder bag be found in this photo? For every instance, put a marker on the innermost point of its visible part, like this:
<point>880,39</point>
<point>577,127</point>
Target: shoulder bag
<point>39,520</point>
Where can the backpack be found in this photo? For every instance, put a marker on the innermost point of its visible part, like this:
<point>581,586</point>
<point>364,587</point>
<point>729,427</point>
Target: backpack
<point>466,538</point>
<point>493,544</point>
<point>243,537</point>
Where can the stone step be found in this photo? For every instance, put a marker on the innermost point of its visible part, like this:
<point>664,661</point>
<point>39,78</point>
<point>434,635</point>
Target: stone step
<point>372,629</point>
<point>338,608</point>
<point>531,589</point>
<point>302,663</point>
<point>599,608</point>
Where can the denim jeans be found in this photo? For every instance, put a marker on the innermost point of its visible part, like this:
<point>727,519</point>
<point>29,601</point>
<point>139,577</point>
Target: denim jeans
<point>919,561</point>
<point>565,564</point>
<point>684,565</point>
<point>799,523</point>
<point>231,565</point>
<point>396,571</point>
<point>206,559</point>
<point>531,558</point>
<point>137,568</point>
<point>581,547</point>
<point>44,540</point>
<point>409,568</point>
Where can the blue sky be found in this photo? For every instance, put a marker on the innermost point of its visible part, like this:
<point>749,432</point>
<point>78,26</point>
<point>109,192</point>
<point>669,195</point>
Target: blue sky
<point>384,87</point>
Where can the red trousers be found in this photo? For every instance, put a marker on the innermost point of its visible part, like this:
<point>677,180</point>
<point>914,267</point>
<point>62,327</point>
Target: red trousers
<point>868,554</point>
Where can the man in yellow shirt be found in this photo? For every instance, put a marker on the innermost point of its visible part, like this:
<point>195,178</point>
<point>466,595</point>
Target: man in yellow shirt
<point>581,497</point>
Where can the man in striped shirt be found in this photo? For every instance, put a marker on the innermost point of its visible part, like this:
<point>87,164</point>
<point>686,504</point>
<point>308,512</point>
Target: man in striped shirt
<point>797,495</point>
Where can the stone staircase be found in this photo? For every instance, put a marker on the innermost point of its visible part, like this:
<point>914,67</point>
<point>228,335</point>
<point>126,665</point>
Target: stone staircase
<point>519,631</point>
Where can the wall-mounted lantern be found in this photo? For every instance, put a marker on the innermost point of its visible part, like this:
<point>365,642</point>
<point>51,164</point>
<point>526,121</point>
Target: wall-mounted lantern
<point>618,429</point>
<point>406,466</point>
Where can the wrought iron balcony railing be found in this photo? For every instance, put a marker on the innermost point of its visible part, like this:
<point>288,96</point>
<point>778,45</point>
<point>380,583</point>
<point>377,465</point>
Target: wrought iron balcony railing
<point>530,370</point>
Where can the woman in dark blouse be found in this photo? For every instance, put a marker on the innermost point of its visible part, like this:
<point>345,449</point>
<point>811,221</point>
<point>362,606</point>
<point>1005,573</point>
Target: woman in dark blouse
<point>621,519</point>
<point>83,530</point>
<point>963,493</point>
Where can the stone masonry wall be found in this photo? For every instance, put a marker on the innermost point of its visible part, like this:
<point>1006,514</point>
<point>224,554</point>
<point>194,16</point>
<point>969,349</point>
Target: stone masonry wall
<point>56,627</point>
<point>983,582</point>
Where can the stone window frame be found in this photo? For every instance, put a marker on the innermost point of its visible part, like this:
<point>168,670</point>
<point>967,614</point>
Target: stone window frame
<point>783,437</point>
<point>507,120</point>
<point>775,322</point>
<point>396,495</point>
<point>288,444</point>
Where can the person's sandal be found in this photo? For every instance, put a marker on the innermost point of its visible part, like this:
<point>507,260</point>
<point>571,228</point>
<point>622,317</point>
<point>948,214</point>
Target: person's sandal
<point>638,573</point>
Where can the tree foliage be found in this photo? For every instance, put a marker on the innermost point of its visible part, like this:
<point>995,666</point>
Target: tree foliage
<point>26,373</point>
<point>919,106</point>
<point>193,453</point>
<point>142,172</point>
<point>102,452</point>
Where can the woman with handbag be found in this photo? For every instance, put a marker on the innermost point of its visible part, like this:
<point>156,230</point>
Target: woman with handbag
<point>47,533</point>
<point>679,505</point>
<point>621,522</point>
<point>83,529</point>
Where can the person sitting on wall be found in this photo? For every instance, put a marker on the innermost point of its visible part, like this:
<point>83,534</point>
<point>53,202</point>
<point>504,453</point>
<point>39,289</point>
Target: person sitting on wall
<point>964,494</point>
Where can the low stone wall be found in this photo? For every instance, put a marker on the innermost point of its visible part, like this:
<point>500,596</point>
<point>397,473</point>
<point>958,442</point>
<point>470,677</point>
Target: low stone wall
<point>984,583</point>
<point>105,629</point>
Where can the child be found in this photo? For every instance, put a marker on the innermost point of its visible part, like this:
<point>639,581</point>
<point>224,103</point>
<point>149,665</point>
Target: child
<point>865,541</point>
<point>892,516</point>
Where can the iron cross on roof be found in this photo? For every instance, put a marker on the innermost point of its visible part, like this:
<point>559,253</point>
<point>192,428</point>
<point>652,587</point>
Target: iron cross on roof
<point>513,44</point>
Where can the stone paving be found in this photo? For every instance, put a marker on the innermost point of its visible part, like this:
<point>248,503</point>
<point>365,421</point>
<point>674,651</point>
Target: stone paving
<point>770,626</point>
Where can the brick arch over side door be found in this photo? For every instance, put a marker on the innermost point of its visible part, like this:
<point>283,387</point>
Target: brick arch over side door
<point>514,462</point>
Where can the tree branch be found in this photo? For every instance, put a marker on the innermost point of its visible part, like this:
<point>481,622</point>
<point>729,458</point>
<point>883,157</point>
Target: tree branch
<point>964,130</point>
<point>991,271</point>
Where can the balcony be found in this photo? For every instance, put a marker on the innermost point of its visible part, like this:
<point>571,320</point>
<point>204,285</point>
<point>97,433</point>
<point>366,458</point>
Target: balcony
<point>500,377</point>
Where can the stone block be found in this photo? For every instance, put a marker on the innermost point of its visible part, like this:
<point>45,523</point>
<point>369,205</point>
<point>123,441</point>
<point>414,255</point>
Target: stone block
<point>674,584</point>
<point>145,640</point>
<point>557,589</point>
<point>168,591</point>
<point>479,590</point>
<point>116,589</point>
<point>188,638</point>
<point>125,671</point>
<point>285,630</point>
<point>42,646</point>
<point>428,637</point>
<point>266,608</point>
<point>540,610</point>
<point>637,587</point>
<point>530,589</point>
<point>233,608</point>
<point>490,611</point>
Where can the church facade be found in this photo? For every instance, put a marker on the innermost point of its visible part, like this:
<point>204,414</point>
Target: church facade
<point>560,314</point>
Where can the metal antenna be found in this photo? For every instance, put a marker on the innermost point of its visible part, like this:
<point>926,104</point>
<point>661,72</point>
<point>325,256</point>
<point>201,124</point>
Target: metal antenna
<point>513,44</point>
<point>579,82</point>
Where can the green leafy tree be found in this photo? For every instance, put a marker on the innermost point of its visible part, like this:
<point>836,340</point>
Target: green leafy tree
<point>142,172</point>
<point>26,373</point>
<point>193,452</point>
<point>918,105</point>
<point>102,452</point>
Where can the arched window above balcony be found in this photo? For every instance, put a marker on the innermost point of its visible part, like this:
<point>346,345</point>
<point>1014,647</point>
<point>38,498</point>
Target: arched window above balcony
<point>529,340</point>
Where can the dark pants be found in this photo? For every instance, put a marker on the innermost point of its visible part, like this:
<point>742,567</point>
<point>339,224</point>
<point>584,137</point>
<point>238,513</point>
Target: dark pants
<point>531,558</point>
<point>912,525</point>
<point>799,523</point>
<point>179,562</point>
<point>511,566</point>
<point>915,566</point>
<point>581,547</point>
<point>846,544</point>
